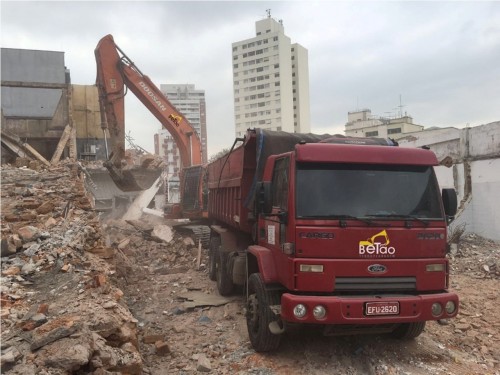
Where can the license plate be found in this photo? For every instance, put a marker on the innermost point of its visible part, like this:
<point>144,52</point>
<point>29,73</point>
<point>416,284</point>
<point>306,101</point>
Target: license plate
<point>382,308</point>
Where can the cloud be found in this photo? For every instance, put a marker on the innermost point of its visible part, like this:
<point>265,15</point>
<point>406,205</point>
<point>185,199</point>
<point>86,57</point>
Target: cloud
<point>441,57</point>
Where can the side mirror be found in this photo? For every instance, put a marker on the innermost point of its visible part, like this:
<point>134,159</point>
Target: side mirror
<point>263,198</point>
<point>450,203</point>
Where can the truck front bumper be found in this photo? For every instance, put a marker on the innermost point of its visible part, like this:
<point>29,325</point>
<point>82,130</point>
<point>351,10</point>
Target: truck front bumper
<point>353,309</point>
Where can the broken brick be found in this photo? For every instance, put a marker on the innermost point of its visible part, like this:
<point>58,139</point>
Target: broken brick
<point>152,339</point>
<point>162,348</point>
<point>99,280</point>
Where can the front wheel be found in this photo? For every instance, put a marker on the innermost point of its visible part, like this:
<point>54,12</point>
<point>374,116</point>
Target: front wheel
<point>408,331</point>
<point>259,315</point>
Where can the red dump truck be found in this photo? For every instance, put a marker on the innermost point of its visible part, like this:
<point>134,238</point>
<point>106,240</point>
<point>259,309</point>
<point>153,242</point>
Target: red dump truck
<point>345,234</point>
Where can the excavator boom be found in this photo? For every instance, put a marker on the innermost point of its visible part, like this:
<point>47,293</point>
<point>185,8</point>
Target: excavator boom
<point>116,73</point>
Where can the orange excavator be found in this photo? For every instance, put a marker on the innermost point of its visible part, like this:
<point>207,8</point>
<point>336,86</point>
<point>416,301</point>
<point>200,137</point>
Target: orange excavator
<point>116,73</point>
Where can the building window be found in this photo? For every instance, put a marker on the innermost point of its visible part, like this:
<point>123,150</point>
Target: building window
<point>235,66</point>
<point>394,131</point>
<point>372,134</point>
<point>235,48</point>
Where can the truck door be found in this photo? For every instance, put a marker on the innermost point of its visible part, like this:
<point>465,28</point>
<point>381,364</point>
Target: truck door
<point>276,223</point>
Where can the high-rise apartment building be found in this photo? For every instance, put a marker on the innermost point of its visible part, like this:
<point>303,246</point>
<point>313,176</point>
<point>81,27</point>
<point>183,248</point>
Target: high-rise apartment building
<point>191,103</point>
<point>270,81</point>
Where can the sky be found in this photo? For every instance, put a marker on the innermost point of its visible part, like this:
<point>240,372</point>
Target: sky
<point>439,60</point>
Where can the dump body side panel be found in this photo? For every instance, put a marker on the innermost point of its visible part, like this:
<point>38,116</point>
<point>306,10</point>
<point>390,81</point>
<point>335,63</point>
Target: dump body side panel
<point>229,181</point>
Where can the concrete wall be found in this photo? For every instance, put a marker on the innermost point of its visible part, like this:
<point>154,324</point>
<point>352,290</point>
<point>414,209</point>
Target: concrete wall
<point>471,165</point>
<point>34,97</point>
<point>22,65</point>
<point>87,119</point>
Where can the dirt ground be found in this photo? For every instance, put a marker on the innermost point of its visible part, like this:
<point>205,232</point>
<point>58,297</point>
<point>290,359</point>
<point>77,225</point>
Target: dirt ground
<point>161,274</point>
<point>87,295</point>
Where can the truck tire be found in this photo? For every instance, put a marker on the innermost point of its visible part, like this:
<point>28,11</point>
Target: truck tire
<point>224,282</point>
<point>407,331</point>
<point>213,252</point>
<point>259,315</point>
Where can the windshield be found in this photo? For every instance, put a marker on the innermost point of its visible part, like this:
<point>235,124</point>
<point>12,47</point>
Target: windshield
<point>363,190</point>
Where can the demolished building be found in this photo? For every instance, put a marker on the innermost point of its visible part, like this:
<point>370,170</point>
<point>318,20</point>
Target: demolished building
<point>470,163</point>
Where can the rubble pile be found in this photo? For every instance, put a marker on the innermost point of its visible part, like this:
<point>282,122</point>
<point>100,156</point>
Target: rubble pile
<point>475,270</point>
<point>59,311</point>
<point>477,256</point>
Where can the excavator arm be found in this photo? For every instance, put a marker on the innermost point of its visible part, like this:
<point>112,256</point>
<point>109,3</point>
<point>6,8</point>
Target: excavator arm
<point>116,73</point>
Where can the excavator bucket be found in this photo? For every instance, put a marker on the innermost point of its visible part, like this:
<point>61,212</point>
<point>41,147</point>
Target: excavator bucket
<point>136,177</point>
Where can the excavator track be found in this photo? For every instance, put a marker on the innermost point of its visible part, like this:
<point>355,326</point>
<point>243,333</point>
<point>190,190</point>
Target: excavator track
<point>197,232</point>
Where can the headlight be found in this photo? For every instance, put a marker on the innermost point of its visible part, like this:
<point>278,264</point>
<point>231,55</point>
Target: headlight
<point>435,267</point>
<point>437,309</point>
<point>299,311</point>
<point>311,268</point>
<point>450,307</point>
<point>319,312</point>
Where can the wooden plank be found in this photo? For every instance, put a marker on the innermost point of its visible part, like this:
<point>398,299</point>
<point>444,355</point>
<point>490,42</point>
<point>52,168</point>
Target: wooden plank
<point>60,146</point>
<point>72,144</point>
<point>36,154</point>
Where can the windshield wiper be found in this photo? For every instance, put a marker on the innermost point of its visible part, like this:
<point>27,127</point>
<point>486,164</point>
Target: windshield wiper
<point>402,216</point>
<point>342,219</point>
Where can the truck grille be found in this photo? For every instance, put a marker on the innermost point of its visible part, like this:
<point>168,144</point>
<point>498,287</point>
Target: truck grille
<point>367,284</point>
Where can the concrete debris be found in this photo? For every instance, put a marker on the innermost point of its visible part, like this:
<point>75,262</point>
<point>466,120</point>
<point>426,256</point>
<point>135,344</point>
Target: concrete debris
<point>203,363</point>
<point>200,299</point>
<point>162,233</point>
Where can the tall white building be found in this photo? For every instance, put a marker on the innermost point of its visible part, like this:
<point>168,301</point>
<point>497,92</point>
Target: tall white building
<point>191,103</point>
<point>270,81</point>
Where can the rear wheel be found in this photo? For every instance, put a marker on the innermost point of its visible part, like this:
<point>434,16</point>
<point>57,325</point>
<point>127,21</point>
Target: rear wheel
<point>224,282</point>
<point>259,315</point>
<point>213,252</point>
<point>408,330</point>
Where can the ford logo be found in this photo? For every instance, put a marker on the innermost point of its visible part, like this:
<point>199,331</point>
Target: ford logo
<point>377,268</point>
